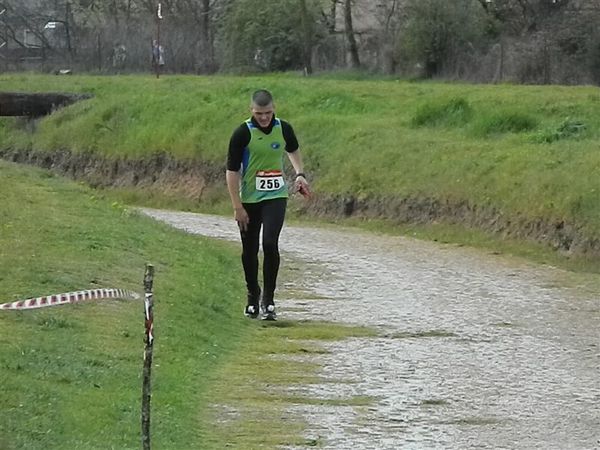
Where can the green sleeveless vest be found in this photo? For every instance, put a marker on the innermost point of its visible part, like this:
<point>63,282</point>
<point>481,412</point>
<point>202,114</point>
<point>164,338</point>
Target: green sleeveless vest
<point>262,165</point>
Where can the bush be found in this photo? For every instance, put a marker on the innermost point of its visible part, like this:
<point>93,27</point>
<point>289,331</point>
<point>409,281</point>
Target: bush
<point>568,129</point>
<point>505,122</point>
<point>454,112</point>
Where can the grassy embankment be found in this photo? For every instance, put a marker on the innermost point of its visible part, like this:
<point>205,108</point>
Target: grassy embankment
<point>71,374</point>
<point>528,152</point>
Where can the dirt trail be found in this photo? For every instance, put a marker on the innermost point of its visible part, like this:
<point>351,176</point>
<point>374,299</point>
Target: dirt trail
<point>476,350</point>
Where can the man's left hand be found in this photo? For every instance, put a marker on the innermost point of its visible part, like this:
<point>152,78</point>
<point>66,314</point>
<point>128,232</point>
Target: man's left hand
<point>302,186</point>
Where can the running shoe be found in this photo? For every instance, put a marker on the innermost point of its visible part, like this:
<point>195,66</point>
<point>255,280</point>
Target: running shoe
<point>268,312</point>
<point>252,310</point>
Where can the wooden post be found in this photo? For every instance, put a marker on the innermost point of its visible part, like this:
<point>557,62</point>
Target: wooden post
<point>148,341</point>
<point>159,53</point>
<point>158,45</point>
<point>99,48</point>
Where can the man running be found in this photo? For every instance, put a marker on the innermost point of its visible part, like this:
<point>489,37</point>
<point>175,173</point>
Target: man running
<point>259,192</point>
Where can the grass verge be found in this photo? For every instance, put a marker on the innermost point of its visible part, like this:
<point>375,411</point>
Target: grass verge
<point>71,374</point>
<point>528,151</point>
<point>254,409</point>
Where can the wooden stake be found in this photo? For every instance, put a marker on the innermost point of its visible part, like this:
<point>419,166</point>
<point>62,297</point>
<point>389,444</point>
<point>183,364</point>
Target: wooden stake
<point>148,341</point>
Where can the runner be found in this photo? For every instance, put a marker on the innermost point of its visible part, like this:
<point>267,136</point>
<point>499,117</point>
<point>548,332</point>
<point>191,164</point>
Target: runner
<point>259,192</point>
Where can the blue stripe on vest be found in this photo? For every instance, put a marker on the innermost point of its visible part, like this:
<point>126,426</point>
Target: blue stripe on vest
<point>245,159</point>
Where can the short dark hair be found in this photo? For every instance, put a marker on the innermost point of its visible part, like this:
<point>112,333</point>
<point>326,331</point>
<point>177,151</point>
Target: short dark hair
<point>262,98</point>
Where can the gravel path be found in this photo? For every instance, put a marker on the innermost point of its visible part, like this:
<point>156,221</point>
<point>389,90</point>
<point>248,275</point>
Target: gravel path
<point>476,350</point>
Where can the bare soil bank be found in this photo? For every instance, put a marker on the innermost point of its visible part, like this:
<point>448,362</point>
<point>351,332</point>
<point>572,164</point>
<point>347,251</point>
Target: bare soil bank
<point>193,179</point>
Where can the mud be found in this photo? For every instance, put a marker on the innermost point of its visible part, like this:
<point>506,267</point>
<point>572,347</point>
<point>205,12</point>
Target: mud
<point>197,181</point>
<point>475,350</point>
<point>188,178</point>
<point>556,233</point>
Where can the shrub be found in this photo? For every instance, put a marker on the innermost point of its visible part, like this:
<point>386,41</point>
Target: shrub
<point>505,122</point>
<point>456,111</point>
<point>568,129</point>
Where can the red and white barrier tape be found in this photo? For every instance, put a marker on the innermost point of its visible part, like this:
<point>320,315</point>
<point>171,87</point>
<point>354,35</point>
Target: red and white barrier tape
<point>71,297</point>
<point>148,309</point>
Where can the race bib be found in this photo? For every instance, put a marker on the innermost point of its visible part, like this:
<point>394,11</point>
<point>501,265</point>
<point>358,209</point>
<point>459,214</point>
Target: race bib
<point>271,180</point>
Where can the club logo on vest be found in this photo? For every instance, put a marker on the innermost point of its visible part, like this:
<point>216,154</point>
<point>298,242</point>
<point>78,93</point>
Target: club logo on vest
<point>275,145</point>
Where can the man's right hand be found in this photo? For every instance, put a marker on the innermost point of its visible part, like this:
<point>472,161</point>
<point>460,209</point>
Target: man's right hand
<point>241,217</point>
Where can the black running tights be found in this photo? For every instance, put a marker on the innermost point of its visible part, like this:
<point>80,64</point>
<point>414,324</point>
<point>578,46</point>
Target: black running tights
<point>268,214</point>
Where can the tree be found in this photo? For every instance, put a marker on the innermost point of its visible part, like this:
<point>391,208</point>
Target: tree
<point>266,35</point>
<point>330,16</point>
<point>24,22</point>
<point>391,16</point>
<point>354,60</point>
<point>549,40</point>
<point>436,30</point>
<point>307,37</point>
<point>522,16</point>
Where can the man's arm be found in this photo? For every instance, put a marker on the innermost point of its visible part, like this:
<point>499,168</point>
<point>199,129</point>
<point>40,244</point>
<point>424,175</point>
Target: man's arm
<point>237,143</point>
<point>296,160</point>
<point>292,148</point>
<point>233,186</point>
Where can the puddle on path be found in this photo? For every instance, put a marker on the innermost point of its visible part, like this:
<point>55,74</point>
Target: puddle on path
<point>476,350</point>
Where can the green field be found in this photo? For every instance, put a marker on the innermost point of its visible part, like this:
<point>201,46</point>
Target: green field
<point>526,151</point>
<point>71,375</point>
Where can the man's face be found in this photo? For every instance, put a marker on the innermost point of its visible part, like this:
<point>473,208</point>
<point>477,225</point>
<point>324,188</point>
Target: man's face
<point>263,114</point>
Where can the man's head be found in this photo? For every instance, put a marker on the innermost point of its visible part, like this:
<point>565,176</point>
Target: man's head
<point>262,107</point>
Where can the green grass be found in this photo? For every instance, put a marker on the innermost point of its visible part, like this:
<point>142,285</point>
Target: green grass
<point>505,122</point>
<point>567,129</point>
<point>454,112</point>
<point>257,381</point>
<point>521,150</point>
<point>71,375</point>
